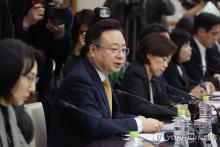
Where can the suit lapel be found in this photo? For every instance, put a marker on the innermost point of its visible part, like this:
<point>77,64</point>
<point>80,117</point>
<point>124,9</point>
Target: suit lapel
<point>98,84</point>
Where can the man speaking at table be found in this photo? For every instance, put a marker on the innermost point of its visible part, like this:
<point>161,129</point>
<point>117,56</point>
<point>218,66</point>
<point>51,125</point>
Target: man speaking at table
<point>87,87</point>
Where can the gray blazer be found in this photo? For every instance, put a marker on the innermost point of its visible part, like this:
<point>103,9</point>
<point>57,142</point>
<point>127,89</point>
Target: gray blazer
<point>17,138</point>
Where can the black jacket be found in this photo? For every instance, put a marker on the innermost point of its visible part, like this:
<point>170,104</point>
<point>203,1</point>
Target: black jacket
<point>174,79</point>
<point>136,82</point>
<point>194,68</point>
<point>6,26</point>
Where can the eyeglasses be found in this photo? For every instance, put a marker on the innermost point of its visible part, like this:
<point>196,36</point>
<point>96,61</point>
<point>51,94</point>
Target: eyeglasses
<point>31,79</point>
<point>116,50</point>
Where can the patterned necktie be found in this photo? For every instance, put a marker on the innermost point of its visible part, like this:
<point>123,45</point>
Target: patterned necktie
<point>108,92</point>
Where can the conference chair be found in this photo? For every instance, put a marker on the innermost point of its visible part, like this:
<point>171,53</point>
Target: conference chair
<point>36,112</point>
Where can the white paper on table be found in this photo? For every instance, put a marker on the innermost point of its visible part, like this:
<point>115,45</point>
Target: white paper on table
<point>168,127</point>
<point>216,94</point>
<point>215,101</point>
<point>153,137</point>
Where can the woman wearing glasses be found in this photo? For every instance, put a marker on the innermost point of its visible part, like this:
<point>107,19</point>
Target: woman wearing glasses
<point>152,58</point>
<point>18,71</point>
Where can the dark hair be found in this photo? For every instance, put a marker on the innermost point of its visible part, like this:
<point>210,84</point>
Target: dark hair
<point>186,23</point>
<point>94,33</point>
<point>84,16</point>
<point>152,28</point>
<point>156,45</point>
<point>179,37</point>
<point>206,21</point>
<point>16,58</point>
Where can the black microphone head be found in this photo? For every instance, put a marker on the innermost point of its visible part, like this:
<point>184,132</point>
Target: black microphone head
<point>118,91</point>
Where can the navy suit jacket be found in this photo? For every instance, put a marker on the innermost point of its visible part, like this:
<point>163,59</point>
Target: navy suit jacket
<point>194,69</point>
<point>84,88</point>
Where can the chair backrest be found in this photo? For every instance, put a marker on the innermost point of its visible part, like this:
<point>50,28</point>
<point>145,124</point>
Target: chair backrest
<point>36,112</point>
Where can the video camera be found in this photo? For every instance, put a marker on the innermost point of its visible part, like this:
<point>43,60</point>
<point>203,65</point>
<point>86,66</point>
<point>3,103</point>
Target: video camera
<point>101,13</point>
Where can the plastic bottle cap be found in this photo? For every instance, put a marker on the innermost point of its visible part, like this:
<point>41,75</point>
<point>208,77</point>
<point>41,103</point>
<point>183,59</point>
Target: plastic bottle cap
<point>205,98</point>
<point>181,112</point>
<point>133,133</point>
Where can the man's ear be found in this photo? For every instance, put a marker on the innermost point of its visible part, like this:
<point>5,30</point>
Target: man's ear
<point>149,56</point>
<point>92,50</point>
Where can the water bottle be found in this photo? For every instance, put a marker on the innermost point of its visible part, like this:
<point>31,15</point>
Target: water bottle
<point>134,140</point>
<point>181,130</point>
<point>205,115</point>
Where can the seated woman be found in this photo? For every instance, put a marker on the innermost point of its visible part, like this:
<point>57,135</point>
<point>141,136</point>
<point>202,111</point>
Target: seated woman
<point>18,71</point>
<point>152,58</point>
<point>175,74</point>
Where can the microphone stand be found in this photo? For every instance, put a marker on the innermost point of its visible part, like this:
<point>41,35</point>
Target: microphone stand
<point>144,100</point>
<point>216,127</point>
<point>125,131</point>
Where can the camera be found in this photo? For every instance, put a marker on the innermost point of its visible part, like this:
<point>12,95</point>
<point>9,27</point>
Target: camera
<point>56,14</point>
<point>101,13</point>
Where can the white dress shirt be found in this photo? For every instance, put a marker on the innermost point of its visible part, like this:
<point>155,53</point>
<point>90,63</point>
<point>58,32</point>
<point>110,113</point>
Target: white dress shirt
<point>202,51</point>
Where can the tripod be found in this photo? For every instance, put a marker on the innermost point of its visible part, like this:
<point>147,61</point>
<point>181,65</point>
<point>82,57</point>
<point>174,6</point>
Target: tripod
<point>135,19</point>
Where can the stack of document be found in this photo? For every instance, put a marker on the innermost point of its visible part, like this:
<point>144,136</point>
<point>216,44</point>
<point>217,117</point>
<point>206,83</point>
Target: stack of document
<point>159,136</point>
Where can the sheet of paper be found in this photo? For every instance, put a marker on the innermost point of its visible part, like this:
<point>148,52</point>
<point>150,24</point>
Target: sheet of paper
<point>168,127</point>
<point>154,137</point>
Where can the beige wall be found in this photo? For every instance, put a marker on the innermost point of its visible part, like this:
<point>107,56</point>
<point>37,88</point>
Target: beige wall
<point>89,4</point>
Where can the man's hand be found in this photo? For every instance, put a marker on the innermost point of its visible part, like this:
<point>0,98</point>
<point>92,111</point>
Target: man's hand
<point>34,15</point>
<point>198,91</point>
<point>57,30</point>
<point>150,125</point>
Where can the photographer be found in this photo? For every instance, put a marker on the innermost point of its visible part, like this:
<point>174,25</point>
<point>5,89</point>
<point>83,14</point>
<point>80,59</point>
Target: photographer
<point>200,5</point>
<point>38,30</point>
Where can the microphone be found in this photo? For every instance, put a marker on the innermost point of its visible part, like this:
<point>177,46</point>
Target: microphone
<point>167,135</point>
<point>216,128</point>
<point>144,100</point>
<point>125,131</point>
<point>191,97</point>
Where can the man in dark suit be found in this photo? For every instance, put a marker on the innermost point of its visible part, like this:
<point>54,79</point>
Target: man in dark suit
<point>206,31</point>
<point>105,53</point>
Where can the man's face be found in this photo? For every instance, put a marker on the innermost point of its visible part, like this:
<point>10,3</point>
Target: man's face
<point>208,38</point>
<point>109,55</point>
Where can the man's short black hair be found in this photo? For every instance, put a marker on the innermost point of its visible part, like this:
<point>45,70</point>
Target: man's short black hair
<point>94,32</point>
<point>206,21</point>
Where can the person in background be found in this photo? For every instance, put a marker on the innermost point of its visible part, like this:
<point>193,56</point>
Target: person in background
<point>199,6</point>
<point>88,88</point>
<point>18,71</point>
<point>32,25</point>
<point>117,77</point>
<point>206,31</point>
<point>82,20</point>
<point>186,23</point>
<point>6,26</point>
<point>152,57</point>
<point>175,73</point>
